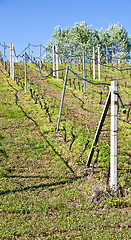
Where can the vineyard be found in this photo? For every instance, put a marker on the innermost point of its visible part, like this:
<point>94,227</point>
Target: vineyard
<point>47,191</point>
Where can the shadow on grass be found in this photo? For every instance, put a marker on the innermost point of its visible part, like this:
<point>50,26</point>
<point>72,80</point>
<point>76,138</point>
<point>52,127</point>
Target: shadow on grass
<point>47,185</point>
<point>42,134</point>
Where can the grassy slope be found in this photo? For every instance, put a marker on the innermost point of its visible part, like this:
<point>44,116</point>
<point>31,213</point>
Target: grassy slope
<point>45,191</point>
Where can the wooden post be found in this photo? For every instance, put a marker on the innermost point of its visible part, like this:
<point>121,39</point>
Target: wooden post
<point>70,59</point>
<point>93,62</point>
<point>4,55</point>
<point>113,154</point>
<point>57,60</point>
<point>99,129</point>
<point>25,75</point>
<point>54,60</point>
<point>11,60</point>
<point>99,63</point>
<point>29,50</point>
<point>74,56</point>
<point>84,71</point>
<point>107,56</point>
<point>40,56</point>
<point>112,54</point>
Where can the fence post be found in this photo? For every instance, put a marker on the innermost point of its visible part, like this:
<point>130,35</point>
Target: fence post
<point>74,56</point>
<point>29,50</point>
<point>98,131</point>
<point>54,61</point>
<point>25,74</point>
<point>11,61</point>
<point>93,62</point>
<point>40,56</point>
<point>112,54</point>
<point>84,71</point>
<point>99,63</point>
<point>113,153</point>
<point>4,55</point>
<point>62,99</point>
<point>57,61</point>
<point>70,58</point>
<point>106,55</point>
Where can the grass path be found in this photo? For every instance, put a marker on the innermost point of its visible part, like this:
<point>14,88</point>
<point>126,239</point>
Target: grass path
<point>44,194</point>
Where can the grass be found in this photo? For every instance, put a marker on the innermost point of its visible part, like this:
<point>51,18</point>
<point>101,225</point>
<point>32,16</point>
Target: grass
<point>45,192</point>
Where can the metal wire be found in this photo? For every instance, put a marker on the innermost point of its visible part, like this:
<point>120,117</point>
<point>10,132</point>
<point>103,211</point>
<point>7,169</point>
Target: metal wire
<point>19,55</point>
<point>40,69</point>
<point>96,61</point>
<point>101,83</point>
<point>34,45</point>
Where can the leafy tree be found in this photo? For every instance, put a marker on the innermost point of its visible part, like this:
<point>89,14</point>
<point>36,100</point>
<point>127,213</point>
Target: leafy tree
<point>115,39</point>
<point>118,40</point>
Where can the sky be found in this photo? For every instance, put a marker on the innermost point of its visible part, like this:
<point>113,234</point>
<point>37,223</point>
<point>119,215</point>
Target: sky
<point>34,21</point>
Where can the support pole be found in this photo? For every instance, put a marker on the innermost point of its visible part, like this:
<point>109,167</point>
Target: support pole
<point>106,56</point>
<point>93,62</point>
<point>57,61</point>
<point>99,63</point>
<point>113,154</point>
<point>25,74</point>
<point>98,131</point>
<point>4,55</point>
<point>70,58</point>
<point>112,54</point>
<point>11,61</point>
<point>29,49</point>
<point>84,71</point>
<point>40,56</point>
<point>74,56</point>
<point>62,99</point>
<point>54,61</point>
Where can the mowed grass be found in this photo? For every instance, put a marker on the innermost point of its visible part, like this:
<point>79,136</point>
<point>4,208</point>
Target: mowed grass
<point>44,192</point>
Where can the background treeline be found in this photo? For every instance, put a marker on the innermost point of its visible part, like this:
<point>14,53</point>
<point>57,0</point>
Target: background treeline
<point>113,42</point>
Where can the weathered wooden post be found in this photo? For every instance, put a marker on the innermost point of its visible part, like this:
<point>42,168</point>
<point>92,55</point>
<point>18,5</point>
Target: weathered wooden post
<point>11,60</point>
<point>57,61</point>
<point>4,56</point>
<point>74,56</point>
<point>40,56</point>
<point>25,74</point>
<point>112,54</point>
<point>70,58</point>
<point>84,71</point>
<point>29,50</point>
<point>106,55</point>
<point>54,61</point>
<point>93,62</point>
<point>113,151</point>
<point>99,63</point>
<point>98,131</point>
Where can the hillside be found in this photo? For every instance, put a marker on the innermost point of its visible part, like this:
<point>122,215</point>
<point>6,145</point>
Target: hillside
<point>47,192</point>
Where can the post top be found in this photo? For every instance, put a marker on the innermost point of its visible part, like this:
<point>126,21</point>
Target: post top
<point>114,83</point>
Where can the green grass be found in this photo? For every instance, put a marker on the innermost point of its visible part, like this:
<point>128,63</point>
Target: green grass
<point>45,192</point>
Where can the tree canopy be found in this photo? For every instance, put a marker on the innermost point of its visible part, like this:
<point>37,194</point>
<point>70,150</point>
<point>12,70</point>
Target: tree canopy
<point>115,38</point>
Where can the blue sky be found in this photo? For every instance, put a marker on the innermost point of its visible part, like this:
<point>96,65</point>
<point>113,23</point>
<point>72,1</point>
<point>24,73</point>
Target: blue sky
<point>24,21</point>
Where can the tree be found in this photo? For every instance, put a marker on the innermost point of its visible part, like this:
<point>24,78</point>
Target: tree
<point>118,40</point>
<point>115,39</point>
